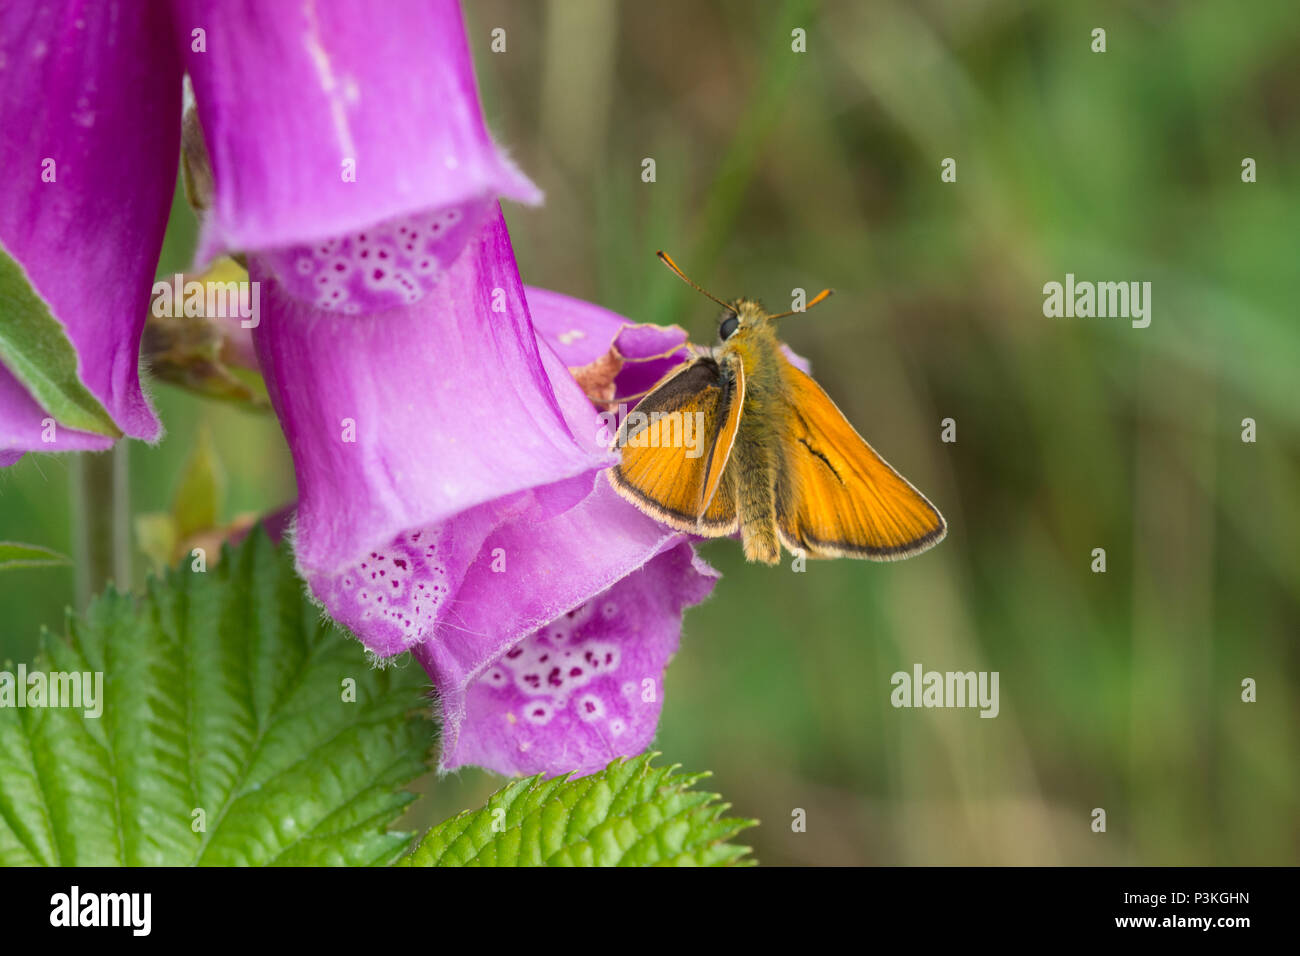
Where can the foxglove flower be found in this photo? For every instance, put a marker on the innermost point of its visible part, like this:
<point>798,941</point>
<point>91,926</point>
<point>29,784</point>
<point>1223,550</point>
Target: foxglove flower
<point>451,503</point>
<point>89,157</point>
<point>450,499</point>
<point>321,121</point>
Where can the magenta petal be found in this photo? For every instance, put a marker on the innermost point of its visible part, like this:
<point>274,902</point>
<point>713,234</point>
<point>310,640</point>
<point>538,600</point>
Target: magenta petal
<point>324,118</point>
<point>795,359</point>
<point>90,102</point>
<point>403,419</point>
<point>581,688</point>
<point>582,334</point>
<point>544,567</point>
<point>25,426</point>
<point>380,266</point>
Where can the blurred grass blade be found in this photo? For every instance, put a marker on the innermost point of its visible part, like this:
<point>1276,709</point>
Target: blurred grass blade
<point>14,554</point>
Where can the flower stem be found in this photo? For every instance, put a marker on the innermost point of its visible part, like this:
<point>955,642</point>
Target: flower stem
<point>101,516</point>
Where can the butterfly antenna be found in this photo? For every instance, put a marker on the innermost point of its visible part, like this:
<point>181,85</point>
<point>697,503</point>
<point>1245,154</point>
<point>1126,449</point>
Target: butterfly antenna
<point>821,296</point>
<point>682,275</point>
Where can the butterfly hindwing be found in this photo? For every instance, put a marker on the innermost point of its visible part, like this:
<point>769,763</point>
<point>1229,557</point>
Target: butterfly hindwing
<point>681,481</point>
<point>835,497</point>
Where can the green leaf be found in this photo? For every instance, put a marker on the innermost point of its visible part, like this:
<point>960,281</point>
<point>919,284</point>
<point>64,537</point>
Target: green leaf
<point>629,814</point>
<point>16,555</point>
<point>35,347</point>
<point>222,691</point>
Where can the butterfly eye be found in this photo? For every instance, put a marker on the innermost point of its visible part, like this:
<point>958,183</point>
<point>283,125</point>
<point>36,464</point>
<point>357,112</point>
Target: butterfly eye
<point>728,326</point>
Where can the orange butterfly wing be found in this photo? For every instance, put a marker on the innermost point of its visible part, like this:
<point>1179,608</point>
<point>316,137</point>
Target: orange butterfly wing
<point>661,473</point>
<point>835,497</point>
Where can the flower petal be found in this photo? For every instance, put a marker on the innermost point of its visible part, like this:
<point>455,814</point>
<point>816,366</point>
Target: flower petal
<point>323,119</point>
<point>607,353</point>
<point>583,688</point>
<point>96,91</point>
<point>380,266</point>
<point>406,418</point>
<point>25,426</point>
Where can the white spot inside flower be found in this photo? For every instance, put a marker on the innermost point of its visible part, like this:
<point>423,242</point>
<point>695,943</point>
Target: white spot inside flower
<point>403,586</point>
<point>590,708</point>
<point>541,669</point>
<point>617,728</point>
<point>538,713</point>
<point>571,336</point>
<point>394,262</point>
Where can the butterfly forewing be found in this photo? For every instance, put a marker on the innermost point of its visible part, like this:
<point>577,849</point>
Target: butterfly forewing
<point>835,497</point>
<point>673,465</point>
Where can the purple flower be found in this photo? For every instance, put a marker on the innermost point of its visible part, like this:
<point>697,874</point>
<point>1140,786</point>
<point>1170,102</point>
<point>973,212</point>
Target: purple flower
<point>448,461</point>
<point>610,357</point>
<point>321,120</point>
<point>451,503</point>
<point>88,150</point>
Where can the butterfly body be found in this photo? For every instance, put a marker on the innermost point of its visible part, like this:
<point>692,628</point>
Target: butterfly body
<point>779,462</point>
<point>750,475</point>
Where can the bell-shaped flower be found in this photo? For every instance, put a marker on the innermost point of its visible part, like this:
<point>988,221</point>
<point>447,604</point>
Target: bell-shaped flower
<point>320,120</point>
<point>448,463</point>
<point>451,503</point>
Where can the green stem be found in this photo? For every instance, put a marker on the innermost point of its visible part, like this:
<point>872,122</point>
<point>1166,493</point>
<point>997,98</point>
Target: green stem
<point>101,518</point>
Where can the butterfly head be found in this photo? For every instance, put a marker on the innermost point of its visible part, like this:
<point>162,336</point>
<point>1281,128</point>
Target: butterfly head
<point>739,316</point>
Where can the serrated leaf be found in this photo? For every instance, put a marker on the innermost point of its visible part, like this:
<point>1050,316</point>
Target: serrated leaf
<point>222,691</point>
<point>35,347</point>
<point>629,814</point>
<point>14,554</point>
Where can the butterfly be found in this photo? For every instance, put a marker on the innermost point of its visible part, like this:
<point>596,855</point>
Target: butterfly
<point>740,439</point>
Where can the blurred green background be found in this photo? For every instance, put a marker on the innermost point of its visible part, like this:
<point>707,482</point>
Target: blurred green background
<point>777,170</point>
